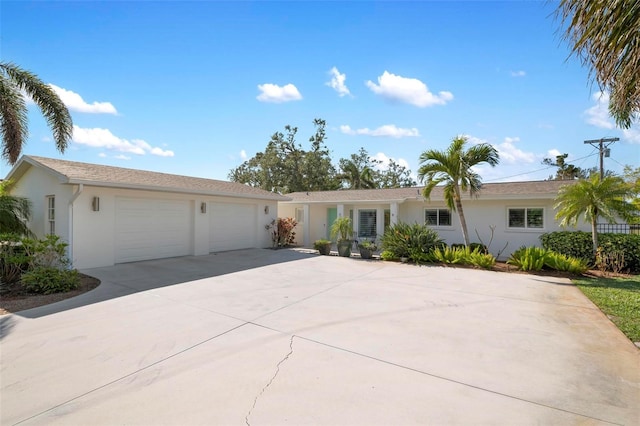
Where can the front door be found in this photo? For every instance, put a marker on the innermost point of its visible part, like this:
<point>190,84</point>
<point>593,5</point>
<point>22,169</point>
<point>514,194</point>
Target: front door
<point>332,215</point>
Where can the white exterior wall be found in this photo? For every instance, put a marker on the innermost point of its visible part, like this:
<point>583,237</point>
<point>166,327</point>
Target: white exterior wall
<point>36,185</point>
<point>93,233</point>
<point>480,215</point>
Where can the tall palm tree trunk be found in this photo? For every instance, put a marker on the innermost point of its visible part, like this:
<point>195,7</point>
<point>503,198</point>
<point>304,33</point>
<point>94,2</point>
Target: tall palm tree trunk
<point>463,221</point>
<point>594,234</point>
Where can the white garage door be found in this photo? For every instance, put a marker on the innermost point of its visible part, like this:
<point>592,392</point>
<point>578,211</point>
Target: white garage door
<point>152,229</point>
<point>232,227</point>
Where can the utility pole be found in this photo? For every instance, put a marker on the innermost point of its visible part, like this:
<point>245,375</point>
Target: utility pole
<point>604,150</point>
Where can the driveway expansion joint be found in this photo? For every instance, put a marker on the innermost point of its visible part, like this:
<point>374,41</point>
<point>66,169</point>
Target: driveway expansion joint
<point>282,361</point>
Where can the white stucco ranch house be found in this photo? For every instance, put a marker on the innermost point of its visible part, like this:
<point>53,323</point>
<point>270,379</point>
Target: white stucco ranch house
<point>519,211</point>
<point>112,215</point>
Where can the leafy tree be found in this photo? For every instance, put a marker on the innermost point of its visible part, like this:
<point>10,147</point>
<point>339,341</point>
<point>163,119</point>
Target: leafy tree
<point>593,198</point>
<point>14,212</point>
<point>357,172</point>
<point>285,167</point>
<point>14,83</point>
<point>632,177</point>
<point>453,168</point>
<point>395,176</point>
<point>565,171</point>
<point>605,35</point>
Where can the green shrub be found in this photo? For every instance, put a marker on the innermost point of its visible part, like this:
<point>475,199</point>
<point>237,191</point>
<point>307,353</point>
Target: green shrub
<point>579,244</point>
<point>450,255</point>
<point>481,259</point>
<point>388,255</point>
<point>561,262</point>
<point>420,257</point>
<point>403,238</point>
<point>13,260</point>
<point>528,258</point>
<point>47,280</point>
<point>50,252</point>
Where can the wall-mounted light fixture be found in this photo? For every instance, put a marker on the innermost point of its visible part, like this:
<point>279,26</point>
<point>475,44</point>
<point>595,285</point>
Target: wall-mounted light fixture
<point>203,207</point>
<point>266,209</point>
<point>95,204</point>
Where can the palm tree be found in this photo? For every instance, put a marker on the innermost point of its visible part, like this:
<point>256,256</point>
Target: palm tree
<point>453,168</point>
<point>14,84</point>
<point>14,212</point>
<point>604,35</point>
<point>355,177</point>
<point>593,198</point>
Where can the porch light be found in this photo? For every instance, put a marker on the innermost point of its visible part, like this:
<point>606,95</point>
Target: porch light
<point>203,207</point>
<point>266,209</point>
<point>95,204</point>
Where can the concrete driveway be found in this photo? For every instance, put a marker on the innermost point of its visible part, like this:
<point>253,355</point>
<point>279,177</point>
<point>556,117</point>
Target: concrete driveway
<point>262,337</point>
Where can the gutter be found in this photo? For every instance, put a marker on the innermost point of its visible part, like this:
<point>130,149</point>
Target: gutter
<point>71,201</point>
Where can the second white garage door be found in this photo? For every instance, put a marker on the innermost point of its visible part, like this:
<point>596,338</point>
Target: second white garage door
<point>232,226</point>
<point>152,229</point>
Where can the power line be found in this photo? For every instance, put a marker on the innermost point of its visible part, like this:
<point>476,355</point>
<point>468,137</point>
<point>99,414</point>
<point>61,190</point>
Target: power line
<point>539,170</point>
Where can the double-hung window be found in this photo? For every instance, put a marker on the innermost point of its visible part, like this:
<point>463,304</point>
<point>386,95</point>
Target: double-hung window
<point>51,215</point>
<point>437,217</point>
<point>526,218</point>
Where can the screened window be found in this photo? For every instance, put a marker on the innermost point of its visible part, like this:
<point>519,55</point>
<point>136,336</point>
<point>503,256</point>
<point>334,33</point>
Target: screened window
<point>526,218</point>
<point>367,223</point>
<point>437,217</point>
<point>51,214</point>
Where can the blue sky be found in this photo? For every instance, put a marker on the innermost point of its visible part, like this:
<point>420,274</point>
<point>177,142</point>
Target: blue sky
<point>195,88</point>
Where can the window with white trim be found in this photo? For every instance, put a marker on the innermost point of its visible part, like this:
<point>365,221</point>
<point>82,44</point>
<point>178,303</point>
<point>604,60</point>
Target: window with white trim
<point>299,215</point>
<point>367,223</point>
<point>51,215</point>
<point>437,217</point>
<point>526,218</point>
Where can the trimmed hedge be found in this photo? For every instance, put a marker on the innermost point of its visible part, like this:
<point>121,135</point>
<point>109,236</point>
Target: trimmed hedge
<point>578,244</point>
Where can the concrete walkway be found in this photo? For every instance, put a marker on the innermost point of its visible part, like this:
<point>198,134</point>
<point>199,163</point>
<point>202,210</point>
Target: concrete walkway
<point>262,337</point>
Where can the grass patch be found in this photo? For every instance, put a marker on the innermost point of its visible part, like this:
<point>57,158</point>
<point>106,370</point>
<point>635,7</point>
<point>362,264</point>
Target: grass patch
<point>618,298</point>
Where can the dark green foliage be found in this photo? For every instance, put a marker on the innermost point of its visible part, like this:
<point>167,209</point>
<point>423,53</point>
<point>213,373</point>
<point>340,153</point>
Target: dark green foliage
<point>47,280</point>
<point>13,260</point>
<point>403,239</point>
<point>564,263</point>
<point>579,244</point>
<point>528,258</point>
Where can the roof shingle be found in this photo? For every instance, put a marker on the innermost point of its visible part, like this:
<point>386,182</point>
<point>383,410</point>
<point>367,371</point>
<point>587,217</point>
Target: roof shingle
<point>109,176</point>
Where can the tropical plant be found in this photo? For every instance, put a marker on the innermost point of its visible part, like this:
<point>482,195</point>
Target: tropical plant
<point>561,262</point>
<point>593,198</point>
<point>15,82</point>
<point>358,171</point>
<point>13,260</point>
<point>528,258</point>
<point>282,231</point>
<point>47,280</point>
<point>454,169</point>
<point>402,239</point>
<point>323,246</point>
<point>368,245</point>
<point>481,259</point>
<point>388,255</point>
<point>14,212</point>
<point>604,35</point>
<point>342,229</point>
<point>565,171</point>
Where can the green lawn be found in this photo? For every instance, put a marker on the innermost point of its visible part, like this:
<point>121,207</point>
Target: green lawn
<point>618,298</point>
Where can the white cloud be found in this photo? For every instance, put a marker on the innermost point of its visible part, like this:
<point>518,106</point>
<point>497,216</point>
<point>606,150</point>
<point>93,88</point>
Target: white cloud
<point>103,138</point>
<point>102,155</point>
<point>632,135</point>
<point>408,90</point>
<point>598,115</point>
<point>388,130</point>
<point>74,102</point>
<point>278,94</point>
<point>122,157</point>
<point>337,82</point>
<point>243,154</point>
<point>553,153</point>
<point>509,153</point>
<point>385,160</point>
<point>519,73</point>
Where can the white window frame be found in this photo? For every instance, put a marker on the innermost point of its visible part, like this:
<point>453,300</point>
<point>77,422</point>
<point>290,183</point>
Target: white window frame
<point>299,215</point>
<point>50,215</point>
<point>438,224</point>
<point>526,226</point>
